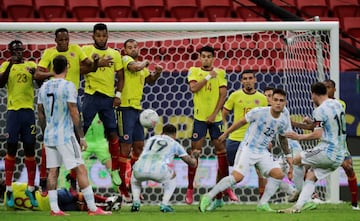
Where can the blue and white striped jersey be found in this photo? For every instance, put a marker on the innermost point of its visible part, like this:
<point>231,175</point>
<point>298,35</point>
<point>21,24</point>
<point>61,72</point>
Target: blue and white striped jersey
<point>158,151</point>
<point>330,116</point>
<point>54,95</point>
<point>263,128</point>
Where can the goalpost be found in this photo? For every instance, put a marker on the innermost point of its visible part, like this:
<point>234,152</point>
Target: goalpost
<point>289,55</point>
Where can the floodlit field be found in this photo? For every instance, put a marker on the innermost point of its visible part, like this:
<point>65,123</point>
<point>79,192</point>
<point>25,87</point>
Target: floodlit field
<point>236,212</point>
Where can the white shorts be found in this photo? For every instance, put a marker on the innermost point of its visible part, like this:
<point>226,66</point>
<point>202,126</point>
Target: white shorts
<point>165,174</point>
<point>319,162</point>
<point>68,154</point>
<point>245,159</point>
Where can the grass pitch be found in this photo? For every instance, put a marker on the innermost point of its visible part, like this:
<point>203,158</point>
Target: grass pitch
<point>230,212</point>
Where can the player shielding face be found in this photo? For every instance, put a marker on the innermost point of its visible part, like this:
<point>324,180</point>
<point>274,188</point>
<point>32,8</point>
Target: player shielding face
<point>136,74</point>
<point>17,75</point>
<point>158,152</point>
<point>264,124</point>
<point>58,116</point>
<point>209,87</point>
<point>100,97</point>
<point>329,153</point>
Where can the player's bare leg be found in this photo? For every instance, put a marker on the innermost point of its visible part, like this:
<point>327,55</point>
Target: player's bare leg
<point>223,163</point>
<point>195,145</point>
<point>347,165</point>
<point>123,161</point>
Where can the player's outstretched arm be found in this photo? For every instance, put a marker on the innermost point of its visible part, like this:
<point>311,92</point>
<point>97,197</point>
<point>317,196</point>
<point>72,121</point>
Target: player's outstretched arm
<point>232,128</point>
<point>135,66</point>
<point>41,73</point>
<point>316,134</point>
<point>307,124</point>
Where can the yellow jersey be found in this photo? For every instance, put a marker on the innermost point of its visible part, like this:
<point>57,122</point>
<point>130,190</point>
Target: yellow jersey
<point>74,56</point>
<point>103,80</point>
<point>20,86</point>
<point>205,100</point>
<point>343,104</point>
<point>241,103</point>
<point>133,85</point>
<point>23,202</point>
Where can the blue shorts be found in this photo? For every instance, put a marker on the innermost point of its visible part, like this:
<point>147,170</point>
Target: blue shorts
<point>231,149</point>
<point>103,105</point>
<point>201,128</point>
<point>21,122</point>
<point>129,126</point>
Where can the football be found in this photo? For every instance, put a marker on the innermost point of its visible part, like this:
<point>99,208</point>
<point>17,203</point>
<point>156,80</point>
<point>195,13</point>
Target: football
<point>149,118</point>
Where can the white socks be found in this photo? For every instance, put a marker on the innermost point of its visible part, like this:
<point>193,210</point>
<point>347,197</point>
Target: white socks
<point>89,198</point>
<point>169,188</point>
<point>222,185</point>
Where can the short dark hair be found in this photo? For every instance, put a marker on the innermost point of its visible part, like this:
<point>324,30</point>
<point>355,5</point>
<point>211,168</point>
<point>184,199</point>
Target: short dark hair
<point>318,88</point>
<point>279,91</point>
<point>269,89</point>
<point>248,71</point>
<point>60,63</point>
<point>99,27</point>
<point>208,48</point>
<point>15,44</point>
<point>57,31</point>
<point>333,84</point>
<point>129,41</point>
<point>169,129</point>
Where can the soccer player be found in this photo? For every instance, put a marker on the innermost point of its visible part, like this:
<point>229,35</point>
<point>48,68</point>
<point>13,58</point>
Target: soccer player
<point>264,124</point>
<point>240,102</point>
<point>97,143</point>
<point>209,87</point>
<point>329,153</point>
<point>17,75</point>
<point>58,116</point>
<point>131,132</point>
<point>158,152</point>
<point>100,96</point>
<point>298,172</point>
<point>68,201</point>
<point>347,165</point>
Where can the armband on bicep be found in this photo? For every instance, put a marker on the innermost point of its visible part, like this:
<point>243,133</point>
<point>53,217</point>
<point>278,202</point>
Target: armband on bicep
<point>318,124</point>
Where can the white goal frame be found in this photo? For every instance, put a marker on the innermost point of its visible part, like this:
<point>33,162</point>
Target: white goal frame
<point>331,26</point>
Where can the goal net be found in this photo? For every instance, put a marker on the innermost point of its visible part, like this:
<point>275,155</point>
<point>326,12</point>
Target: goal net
<point>288,55</point>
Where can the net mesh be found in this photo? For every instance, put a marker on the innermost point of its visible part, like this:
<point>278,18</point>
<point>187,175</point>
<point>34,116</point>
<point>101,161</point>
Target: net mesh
<point>281,59</point>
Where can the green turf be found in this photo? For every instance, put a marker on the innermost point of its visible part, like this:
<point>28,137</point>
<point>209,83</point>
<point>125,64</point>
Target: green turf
<point>236,212</point>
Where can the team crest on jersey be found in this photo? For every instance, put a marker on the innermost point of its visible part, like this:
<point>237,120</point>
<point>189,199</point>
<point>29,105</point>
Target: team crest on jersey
<point>125,58</point>
<point>72,54</point>
<point>241,101</point>
<point>195,135</point>
<point>126,137</point>
<point>257,102</point>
